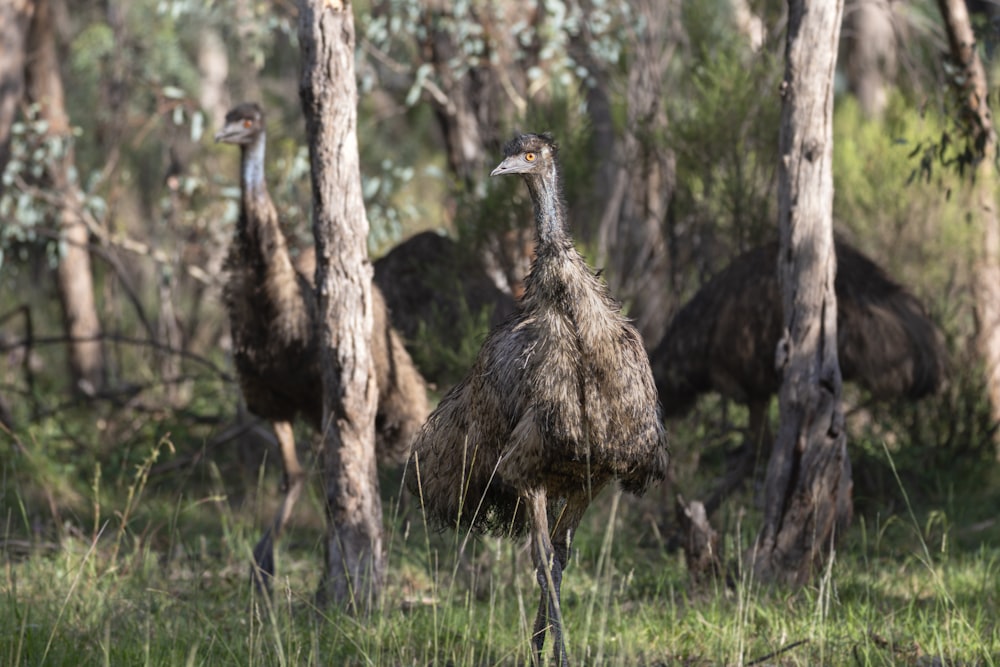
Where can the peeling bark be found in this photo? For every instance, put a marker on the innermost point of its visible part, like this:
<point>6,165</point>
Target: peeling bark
<point>808,485</point>
<point>354,559</point>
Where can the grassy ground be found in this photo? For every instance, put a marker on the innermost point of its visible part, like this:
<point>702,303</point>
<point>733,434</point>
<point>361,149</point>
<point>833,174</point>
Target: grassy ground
<point>150,568</point>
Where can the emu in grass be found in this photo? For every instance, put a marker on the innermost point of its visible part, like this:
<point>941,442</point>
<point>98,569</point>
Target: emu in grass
<point>724,340</point>
<point>559,403</point>
<point>273,315</point>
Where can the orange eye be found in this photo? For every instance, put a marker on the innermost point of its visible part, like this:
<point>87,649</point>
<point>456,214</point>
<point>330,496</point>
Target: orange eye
<point>248,123</point>
<point>530,157</point>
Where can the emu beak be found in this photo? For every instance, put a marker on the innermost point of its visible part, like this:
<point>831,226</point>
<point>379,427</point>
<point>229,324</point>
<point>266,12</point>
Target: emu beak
<point>229,132</point>
<point>509,165</point>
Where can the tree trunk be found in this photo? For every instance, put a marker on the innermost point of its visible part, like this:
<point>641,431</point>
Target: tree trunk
<point>354,558</point>
<point>870,52</point>
<point>44,87</point>
<point>970,84</point>
<point>475,102</point>
<point>808,477</point>
<point>15,17</point>
<point>632,237</point>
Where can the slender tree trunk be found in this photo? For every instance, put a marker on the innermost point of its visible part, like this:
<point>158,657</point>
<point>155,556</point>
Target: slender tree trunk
<point>808,477</point>
<point>15,17</point>
<point>870,52</point>
<point>354,558</point>
<point>213,66</point>
<point>632,234</point>
<point>971,86</point>
<point>44,87</point>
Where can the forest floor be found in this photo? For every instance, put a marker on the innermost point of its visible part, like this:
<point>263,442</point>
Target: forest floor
<point>150,567</point>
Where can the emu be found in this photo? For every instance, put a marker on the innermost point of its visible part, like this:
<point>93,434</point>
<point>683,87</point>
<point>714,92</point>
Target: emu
<point>432,289</point>
<point>724,340</point>
<point>273,316</point>
<point>559,403</point>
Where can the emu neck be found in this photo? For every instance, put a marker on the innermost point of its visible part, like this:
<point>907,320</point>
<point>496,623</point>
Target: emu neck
<point>258,228</point>
<point>550,214</point>
<point>274,288</point>
<point>258,224</point>
<point>252,173</point>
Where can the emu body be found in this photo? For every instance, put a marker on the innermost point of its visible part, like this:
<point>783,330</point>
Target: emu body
<point>434,293</point>
<point>273,317</point>
<point>559,403</point>
<point>724,340</point>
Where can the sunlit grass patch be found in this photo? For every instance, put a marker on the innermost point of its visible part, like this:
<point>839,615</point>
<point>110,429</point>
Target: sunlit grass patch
<point>158,574</point>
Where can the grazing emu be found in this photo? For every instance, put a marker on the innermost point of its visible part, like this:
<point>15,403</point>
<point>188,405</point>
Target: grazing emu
<point>272,316</point>
<point>559,403</point>
<point>724,340</point>
<point>432,290</point>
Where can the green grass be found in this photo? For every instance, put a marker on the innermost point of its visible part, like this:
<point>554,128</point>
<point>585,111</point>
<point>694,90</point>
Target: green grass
<point>151,568</point>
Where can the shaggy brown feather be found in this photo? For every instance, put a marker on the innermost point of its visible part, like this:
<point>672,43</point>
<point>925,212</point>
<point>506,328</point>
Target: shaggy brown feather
<point>724,338</point>
<point>559,403</point>
<point>432,289</point>
<point>273,316</point>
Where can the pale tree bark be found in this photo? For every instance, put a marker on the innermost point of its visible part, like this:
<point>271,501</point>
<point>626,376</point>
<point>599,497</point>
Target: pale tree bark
<point>213,66</point>
<point>807,495</point>
<point>476,102</point>
<point>969,81</point>
<point>748,24</point>
<point>244,79</point>
<point>870,52</point>
<point>44,87</point>
<point>354,559</point>
<point>632,228</point>
<point>15,17</point>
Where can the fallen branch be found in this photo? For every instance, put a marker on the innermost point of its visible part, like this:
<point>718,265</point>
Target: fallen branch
<point>119,338</point>
<point>774,654</point>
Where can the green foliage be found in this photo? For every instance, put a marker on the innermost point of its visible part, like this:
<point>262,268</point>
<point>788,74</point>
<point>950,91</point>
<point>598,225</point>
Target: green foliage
<point>451,364</point>
<point>724,132</point>
<point>880,199</point>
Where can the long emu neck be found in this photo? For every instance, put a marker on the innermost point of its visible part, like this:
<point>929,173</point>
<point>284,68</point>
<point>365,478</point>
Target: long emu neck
<point>266,252</point>
<point>252,172</point>
<point>550,212</point>
<point>258,224</point>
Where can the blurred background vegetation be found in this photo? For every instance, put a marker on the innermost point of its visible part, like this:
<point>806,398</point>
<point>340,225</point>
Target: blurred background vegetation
<point>688,121</point>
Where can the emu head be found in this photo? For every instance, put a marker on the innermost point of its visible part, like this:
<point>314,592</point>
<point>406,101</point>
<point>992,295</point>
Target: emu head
<point>244,123</point>
<point>527,154</point>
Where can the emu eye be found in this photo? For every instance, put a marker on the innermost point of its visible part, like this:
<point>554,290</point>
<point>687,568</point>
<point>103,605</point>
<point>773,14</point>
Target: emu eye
<point>530,157</point>
<point>248,123</point>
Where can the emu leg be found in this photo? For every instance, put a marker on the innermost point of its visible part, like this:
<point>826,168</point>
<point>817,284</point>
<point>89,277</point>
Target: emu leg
<point>262,570</point>
<point>758,441</point>
<point>549,563</point>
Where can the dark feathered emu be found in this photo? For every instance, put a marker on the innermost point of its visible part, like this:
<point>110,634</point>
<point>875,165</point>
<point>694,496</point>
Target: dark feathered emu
<point>272,315</point>
<point>435,293</point>
<point>724,340</point>
<point>559,403</point>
